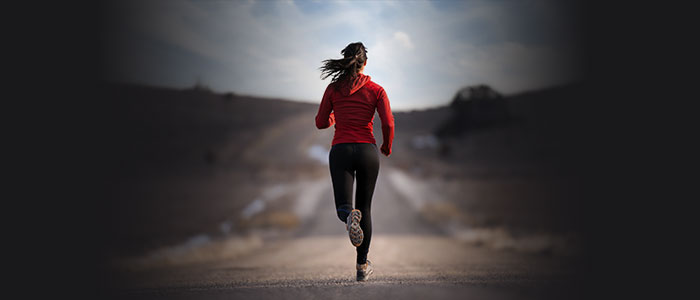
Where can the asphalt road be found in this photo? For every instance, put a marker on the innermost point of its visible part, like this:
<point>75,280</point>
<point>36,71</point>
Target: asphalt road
<point>412,260</point>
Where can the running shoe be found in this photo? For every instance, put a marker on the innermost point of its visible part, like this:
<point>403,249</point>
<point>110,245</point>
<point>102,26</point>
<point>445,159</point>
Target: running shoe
<point>364,270</point>
<point>352,225</point>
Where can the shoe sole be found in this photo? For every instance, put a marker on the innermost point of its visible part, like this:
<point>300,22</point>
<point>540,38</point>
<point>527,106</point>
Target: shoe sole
<point>354,230</point>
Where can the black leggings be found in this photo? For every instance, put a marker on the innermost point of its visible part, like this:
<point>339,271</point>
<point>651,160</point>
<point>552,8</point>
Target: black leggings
<point>346,161</point>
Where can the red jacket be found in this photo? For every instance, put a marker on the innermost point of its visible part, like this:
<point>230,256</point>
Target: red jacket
<point>350,106</point>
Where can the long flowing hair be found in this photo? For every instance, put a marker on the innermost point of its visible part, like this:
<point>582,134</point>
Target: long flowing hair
<point>354,57</point>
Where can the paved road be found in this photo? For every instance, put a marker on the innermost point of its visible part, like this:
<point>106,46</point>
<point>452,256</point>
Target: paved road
<point>411,259</point>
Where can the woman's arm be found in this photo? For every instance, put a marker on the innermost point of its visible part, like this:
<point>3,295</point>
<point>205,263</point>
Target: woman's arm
<point>384,110</point>
<point>325,117</point>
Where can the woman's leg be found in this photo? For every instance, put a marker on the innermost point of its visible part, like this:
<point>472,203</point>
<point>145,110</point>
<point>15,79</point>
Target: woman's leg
<point>367,169</point>
<point>342,176</point>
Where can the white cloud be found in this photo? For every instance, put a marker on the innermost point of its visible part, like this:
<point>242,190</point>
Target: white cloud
<point>420,54</point>
<point>404,39</point>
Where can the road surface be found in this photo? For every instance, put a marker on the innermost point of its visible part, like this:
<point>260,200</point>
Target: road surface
<point>412,260</point>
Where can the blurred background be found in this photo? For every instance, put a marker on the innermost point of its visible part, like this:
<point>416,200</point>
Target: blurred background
<point>166,143</point>
<point>215,154</point>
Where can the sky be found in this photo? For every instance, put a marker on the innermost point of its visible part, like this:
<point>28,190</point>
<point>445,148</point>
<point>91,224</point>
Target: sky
<point>421,52</point>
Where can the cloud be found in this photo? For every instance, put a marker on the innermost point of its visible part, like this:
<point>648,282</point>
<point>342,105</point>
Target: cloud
<point>403,39</point>
<point>420,51</point>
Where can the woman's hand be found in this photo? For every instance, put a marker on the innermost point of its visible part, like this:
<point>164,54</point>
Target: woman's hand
<point>385,150</point>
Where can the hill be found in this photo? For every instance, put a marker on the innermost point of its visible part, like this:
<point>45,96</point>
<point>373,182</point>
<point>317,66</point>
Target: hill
<point>184,162</point>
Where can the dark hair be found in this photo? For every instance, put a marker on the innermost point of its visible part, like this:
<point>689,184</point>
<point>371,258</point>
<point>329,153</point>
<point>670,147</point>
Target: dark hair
<point>354,57</point>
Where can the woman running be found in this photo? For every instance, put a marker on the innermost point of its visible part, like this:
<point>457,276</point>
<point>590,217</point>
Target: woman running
<point>349,102</point>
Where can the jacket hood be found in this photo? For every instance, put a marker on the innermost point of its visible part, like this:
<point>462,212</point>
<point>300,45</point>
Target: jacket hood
<point>350,87</point>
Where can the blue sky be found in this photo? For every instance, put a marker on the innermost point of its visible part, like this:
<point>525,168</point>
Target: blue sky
<point>421,52</point>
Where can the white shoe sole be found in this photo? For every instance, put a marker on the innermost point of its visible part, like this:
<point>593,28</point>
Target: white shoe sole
<point>354,230</point>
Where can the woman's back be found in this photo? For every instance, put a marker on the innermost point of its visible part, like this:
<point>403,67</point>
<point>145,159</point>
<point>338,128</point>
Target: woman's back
<point>353,105</point>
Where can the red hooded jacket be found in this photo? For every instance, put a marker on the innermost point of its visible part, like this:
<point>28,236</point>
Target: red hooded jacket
<point>350,106</point>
